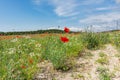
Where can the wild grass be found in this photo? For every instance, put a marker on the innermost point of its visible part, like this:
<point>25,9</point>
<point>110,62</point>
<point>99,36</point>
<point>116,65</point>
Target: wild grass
<point>101,54</point>
<point>103,60</point>
<point>19,56</point>
<point>93,40</point>
<point>103,73</point>
<point>18,59</point>
<point>117,40</point>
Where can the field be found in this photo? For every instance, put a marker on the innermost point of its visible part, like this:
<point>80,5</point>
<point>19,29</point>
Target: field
<point>83,56</point>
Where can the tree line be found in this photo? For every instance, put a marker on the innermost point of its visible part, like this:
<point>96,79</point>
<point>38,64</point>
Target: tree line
<point>33,32</point>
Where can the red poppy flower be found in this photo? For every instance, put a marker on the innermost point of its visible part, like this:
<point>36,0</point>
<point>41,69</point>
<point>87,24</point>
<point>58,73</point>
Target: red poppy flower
<point>30,61</point>
<point>67,30</point>
<point>23,67</point>
<point>17,36</point>
<point>1,34</point>
<point>64,39</point>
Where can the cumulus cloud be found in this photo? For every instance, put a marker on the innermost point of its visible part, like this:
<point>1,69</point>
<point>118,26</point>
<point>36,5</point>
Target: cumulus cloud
<point>67,8</point>
<point>103,18</point>
<point>61,7</point>
<point>103,27</point>
<point>117,1</point>
<point>76,29</point>
<point>70,7</point>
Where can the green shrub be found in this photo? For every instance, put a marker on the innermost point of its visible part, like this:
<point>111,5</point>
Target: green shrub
<point>94,40</point>
<point>55,51</point>
<point>60,53</point>
<point>117,40</point>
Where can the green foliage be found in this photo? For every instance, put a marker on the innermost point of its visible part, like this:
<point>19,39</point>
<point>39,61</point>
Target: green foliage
<point>94,40</point>
<point>102,60</point>
<point>55,52</point>
<point>87,55</point>
<point>101,54</point>
<point>59,53</point>
<point>117,55</point>
<point>103,73</point>
<point>15,54</point>
<point>117,40</point>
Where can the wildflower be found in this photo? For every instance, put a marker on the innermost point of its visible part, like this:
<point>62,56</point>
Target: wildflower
<point>17,36</point>
<point>11,50</point>
<point>27,37</point>
<point>1,34</point>
<point>67,30</point>
<point>38,45</point>
<point>23,67</point>
<point>32,54</point>
<point>64,39</point>
<point>30,61</point>
<point>14,40</point>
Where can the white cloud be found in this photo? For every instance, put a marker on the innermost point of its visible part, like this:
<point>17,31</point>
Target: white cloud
<point>100,19</point>
<point>65,8</point>
<point>102,27</point>
<point>37,2</point>
<point>71,28</point>
<point>88,2</point>
<point>61,7</point>
<point>76,29</point>
<point>104,8</point>
<point>107,8</point>
<point>71,7</point>
<point>117,1</point>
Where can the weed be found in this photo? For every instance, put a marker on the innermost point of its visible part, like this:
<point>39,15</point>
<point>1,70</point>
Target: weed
<point>101,54</point>
<point>102,60</point>
<point>94,40</point>
<point>87,55</point>
<point>103,73</point>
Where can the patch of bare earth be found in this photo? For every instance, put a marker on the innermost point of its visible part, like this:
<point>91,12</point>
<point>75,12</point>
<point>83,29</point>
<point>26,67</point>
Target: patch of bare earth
<point>85,67</point>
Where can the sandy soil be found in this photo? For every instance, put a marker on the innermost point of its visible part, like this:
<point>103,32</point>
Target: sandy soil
<point>85,67</point>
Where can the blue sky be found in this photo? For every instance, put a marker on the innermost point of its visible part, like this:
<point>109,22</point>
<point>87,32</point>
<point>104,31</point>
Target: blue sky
<point>21,15</point>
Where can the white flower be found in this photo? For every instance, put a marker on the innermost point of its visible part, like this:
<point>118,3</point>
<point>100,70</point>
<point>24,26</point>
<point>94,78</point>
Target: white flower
<point>14,40</point>
<point>27,37</point>
<point>11,50</point>
<point>32,54</point>
<point>38,45</point>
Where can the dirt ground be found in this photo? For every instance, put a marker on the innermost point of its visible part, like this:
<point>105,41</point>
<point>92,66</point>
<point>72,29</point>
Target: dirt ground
<point>85,67</point>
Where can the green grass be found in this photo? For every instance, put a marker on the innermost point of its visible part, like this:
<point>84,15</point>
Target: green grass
<point>117,55</point>
<point>19,57</point>
<point>87,55</point>
<point>101,54</point>
<point>16,53</point>
<point>103,73</point>
<point>102,60</point>
<point>94,40</point>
